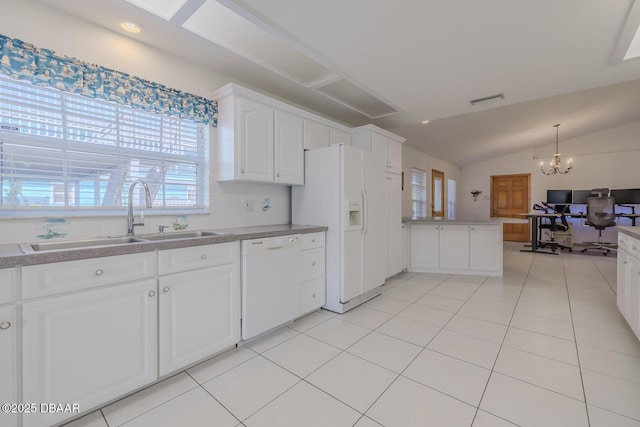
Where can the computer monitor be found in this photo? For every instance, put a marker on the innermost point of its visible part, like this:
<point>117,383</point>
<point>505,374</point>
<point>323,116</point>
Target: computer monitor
<point>559,197</point>
<point>629,196</point>
<point>580,196</point>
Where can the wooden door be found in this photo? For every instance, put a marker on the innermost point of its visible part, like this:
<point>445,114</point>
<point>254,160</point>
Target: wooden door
<point>437,193</point>
<point>510,197</point>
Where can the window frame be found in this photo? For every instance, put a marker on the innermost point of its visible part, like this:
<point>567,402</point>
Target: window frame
<point>418,203</point>
<point>19,133</point>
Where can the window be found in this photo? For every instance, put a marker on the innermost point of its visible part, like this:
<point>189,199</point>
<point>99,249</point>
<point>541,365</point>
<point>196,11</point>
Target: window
<point>66,153</point>
<point>418,193</point>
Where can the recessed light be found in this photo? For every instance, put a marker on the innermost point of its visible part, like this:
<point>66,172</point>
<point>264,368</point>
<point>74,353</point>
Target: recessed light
<point>424,122</point>
<point>130,27</point>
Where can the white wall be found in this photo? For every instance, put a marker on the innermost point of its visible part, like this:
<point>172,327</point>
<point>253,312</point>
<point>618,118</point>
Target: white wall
<point>35,22</point>
<point>412,158</point>
<point>605,159</point>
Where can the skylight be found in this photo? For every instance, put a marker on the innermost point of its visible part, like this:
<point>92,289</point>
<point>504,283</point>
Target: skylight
<point>165,9</point>
<point>634,47</point>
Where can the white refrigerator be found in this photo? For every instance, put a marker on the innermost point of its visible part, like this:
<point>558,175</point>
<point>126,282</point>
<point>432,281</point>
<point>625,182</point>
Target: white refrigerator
<point>336,194</point>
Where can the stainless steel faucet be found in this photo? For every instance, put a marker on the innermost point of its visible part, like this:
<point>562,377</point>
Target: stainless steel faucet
<point>130,221</point>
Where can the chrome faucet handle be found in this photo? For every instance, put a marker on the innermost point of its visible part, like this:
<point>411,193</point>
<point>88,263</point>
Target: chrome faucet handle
<point>161,228</point>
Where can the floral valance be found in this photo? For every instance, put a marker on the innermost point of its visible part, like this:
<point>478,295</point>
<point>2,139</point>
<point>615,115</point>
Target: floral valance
<point>43,67</point>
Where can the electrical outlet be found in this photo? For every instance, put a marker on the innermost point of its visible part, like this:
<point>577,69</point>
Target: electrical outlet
<point>248,205</point>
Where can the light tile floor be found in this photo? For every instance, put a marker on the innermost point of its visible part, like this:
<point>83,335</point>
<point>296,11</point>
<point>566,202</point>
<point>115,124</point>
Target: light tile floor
<point>544,345</point>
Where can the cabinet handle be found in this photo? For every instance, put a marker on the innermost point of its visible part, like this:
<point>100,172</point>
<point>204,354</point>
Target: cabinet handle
<point>313,240</point>
<point>5,325</point>
<point>634,247</point>
<point>203,256</point>
<point>278,175</point>
<point>313,295</point>
<point>313,264</point>
<point>152,293</point>
<point>241,170</point>
<point>99,272</point>
<point>472,228</point>
<point>166,289</point>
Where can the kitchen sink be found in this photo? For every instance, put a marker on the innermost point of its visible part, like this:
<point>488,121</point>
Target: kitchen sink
<point>182,235</point>
<point>79,244</point>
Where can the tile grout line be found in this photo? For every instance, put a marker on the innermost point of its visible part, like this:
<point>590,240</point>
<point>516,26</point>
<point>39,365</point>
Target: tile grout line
<point>524,283</point>
<point>575,337</point>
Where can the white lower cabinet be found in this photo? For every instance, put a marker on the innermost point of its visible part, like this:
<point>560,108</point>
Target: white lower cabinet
<point>199,315</point>
<point>312,289</point>
<point>89,347</point>
<point>8,362</point>
<point>455,248</point>
<point>424,246</point>
<point>485,241</point>
<point>628,281</point>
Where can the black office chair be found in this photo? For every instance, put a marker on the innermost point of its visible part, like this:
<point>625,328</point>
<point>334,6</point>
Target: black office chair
<point>601,213</point>
<point>554,226</point>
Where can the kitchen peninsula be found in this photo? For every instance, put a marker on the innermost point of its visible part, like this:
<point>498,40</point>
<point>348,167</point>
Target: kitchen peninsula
<point>456,246</point>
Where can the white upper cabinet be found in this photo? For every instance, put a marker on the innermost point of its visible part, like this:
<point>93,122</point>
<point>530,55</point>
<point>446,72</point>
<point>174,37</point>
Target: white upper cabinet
<point>289,151</point>
<point>261,139</point>
<point>394,156</point>
<point>337,136</point>
<point>258,142</point>
<point>316,135</point>
<point>255,141</point>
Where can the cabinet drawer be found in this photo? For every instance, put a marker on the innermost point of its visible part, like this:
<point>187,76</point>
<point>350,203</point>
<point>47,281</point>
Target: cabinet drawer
<point>7,285</point>
<point>312,264</point>
<point>49,279</point>
<point>624,242</point>
<point>183,259</point>
<point>312,295</point>
<point>312,240</point>
<point>634,246</point>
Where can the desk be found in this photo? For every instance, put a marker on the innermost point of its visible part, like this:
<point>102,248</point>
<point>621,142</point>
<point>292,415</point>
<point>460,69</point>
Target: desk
<point>632,217</point>
<point>535,218</point>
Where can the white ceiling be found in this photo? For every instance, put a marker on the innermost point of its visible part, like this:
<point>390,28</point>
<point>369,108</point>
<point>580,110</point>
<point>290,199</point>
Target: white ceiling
<point>553,60</point>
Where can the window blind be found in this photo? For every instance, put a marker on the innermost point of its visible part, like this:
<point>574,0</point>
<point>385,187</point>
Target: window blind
<point>418,193</point>
<point>61,151</point>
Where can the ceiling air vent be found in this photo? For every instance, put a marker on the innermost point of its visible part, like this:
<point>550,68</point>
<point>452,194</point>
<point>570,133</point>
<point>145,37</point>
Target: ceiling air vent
<point>353,97</point>
<point>486,99</point>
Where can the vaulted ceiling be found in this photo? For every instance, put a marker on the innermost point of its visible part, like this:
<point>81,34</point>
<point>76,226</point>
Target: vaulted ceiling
<point>398,63</point>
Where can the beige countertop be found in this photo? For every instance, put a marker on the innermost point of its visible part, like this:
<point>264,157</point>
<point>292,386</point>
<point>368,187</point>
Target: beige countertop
<point>11,255</point>
<point>631,231</point>
<point>442,220</point>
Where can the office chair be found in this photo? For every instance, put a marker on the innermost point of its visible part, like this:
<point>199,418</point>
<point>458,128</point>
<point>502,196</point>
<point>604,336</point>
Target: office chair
<point>601,213</point>
<point>553,226</point>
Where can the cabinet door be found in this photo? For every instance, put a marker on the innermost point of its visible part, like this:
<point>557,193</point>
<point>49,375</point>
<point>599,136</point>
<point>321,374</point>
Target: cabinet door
<point>255,141</point>
<point>634,295</point>
<point>89,347</point>
<point>485,242</point>
<point>375,212</point>
<point>289,152</point>
<point>394,156</point>
<point>454,247</point>
<point>199,315</point>
<point>8,287</point>
<point>394,224</point>
<point>622,291</point>
<point>8,363</point>
<point>424,244</point>
<point>316,135</point>
<point>337,136</point>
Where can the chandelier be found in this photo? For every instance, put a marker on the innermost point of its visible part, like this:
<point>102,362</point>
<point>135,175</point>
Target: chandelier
<point>554,165</point>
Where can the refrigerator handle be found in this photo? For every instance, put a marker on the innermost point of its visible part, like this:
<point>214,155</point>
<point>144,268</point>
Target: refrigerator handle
<point>365,213</point>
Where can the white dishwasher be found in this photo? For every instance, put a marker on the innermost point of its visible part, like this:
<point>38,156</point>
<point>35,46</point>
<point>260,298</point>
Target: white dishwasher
<point>270,283</point>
